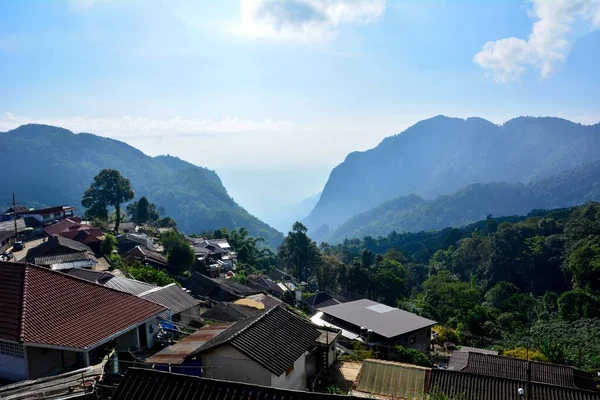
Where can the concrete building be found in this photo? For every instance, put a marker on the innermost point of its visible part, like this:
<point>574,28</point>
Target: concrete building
<point>53,322</point>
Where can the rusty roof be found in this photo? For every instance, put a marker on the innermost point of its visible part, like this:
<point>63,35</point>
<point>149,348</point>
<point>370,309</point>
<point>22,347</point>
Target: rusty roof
<point>177,353</point>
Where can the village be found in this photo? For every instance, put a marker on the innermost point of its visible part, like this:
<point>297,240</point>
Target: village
<point>75,325</point>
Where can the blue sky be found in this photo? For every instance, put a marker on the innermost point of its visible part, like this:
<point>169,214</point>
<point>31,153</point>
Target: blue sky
<point>273,94</point>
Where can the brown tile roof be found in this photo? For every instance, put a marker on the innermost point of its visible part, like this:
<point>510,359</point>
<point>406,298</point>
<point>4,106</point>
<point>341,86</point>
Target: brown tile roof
<point>143,384</point>
<point>514,368</point>
<point>275,339</point>
<point>479,387</point>
<point>48,307</point>
<point>177,353</point>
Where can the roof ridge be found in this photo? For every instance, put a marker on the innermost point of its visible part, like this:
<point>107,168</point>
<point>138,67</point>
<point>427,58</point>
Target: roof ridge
<point>154,289</point>
<point>244,329</point>
<point>23,304</point>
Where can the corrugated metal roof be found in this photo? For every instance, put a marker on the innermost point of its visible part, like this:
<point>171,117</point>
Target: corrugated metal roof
<point>392,379</point>
<point>478,350</point>
<point>144,384</point>
<point>178,352</point>
<point>514,368</point>
<point>383,320</point>
<point>63,258</point>
<point>317,320</point>
<point>479,387</point>
<point>275,339</point>
<point>170,296</point>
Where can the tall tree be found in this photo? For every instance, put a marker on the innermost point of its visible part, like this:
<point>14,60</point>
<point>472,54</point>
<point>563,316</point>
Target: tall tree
<point>108,189</point>
<point>298,253</point>
<point>142,211</point>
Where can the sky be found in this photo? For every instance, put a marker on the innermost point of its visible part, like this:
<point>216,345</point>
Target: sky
<point>272,94</point>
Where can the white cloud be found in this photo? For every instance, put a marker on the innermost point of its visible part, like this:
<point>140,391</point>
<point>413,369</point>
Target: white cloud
<point>304,19</point>
<point>548,43</point>
<point>132,127</point>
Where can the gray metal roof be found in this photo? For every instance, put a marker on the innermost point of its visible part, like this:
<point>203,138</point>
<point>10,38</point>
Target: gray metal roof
<point>172,297</point>
<point>128,285</point>
<point>383,320</point>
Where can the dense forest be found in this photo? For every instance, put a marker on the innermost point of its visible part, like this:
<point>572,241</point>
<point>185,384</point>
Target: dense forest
<point>511,283</point>
<point>441,155</point>
<point>413,214</point>
<point>50,166</point>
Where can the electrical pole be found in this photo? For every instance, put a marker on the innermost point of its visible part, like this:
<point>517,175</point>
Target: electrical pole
<point>15,215</point>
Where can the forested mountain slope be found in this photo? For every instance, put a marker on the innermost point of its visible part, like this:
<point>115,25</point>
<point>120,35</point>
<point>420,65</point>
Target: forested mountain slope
<point>412,213</point>
<point>442,155</point>
<point>47,165</point>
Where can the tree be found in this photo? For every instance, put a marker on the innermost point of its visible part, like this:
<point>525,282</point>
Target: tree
<point>389,282</point>
<point>577,304</point>
<point>142,211</point>
<point>498,295</point>
<point>179,252</point>
<point>108,189</point>
<point>298,254</point>
<point>327,272</point>
<point>411,356</point>
<point>108,244</point>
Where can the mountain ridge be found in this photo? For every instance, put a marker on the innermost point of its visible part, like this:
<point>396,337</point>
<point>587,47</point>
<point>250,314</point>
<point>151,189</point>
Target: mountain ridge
<point>56,165</point>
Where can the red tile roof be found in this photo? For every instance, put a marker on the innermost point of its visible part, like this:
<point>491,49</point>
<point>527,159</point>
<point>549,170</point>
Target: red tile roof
<point>42,306</point>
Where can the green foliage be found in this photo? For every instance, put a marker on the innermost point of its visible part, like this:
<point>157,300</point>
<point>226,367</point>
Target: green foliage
<point>298,254</point>
<point>109,244</point>
<point>362,352</point>
<point>143,211</point>
<point>148,274</point>
<point>179,252</point>
<point>577,304</point>
<point>525,354</point>
<point>411,356</point>
<point>288,297</point>
<point>108,189</point>
<point>116,262</point>
<point>436,394</point>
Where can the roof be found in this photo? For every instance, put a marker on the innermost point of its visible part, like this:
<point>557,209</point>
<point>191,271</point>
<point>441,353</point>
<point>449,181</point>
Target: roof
<point>19,208</point>
<point>279,275</point>
<point>267,300</point>
<point>321,299</point>
<point>172,297</point>
<point>49,210</point>
<point>479,387</point>
<point>41,306</point>
<point>70,228</point>
<point>139,238</point>
<point>236,287</point>
<point>9,226</point>
<point>275,339</point>
<point>263,283</point>
<point>121,284</point>
<point>144,253</point>
<point>216,289</point>
<point>177,353</point>
<point>63,258</point>
<point>142,384</point>
<point>383,320</point>
<point>229,312</point>
<point>327,336</point>
<point>393,379</point>
<point>515,368</point>
<point>56,245</point>
<point>477,350</point>
<point>317,320</point>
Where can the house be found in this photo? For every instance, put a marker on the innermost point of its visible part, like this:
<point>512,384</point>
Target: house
<point>482,387</point>
<point>264,283</point>
<point>142,384</point>
<point>5,240</point>
<point>128,241</point>
<point>59,252</point>
<point>182,308</point>
<point>72,228</point>
<point>324,299</point>
<point>217,290</point>
<point>109,280</point>
<point>9,214</point>
<point>377,324</point>
<point>269,349</point>
<point>53,322</point>
<point>48,215</point>
<point>7,230</point>
<point>515,368</point>
<point>230,312</point>
<point>146,257</point>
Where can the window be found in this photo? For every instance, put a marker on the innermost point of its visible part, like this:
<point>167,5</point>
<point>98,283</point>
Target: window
<point>12,349</point>
<point>289,371</point>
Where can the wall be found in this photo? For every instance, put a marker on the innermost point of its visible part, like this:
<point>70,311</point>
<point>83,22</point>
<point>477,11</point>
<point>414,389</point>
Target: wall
<point>152,332</point>
<point>295,380</point>
<point>189,315</point>
<point>127,340</point>
<point>12,362</point>
<point>227,363</point>
<point>45,362</point>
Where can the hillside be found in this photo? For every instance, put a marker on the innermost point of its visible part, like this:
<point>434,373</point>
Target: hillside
<point>442,155</point>
<point>412,213</point>
<point>47,165</point>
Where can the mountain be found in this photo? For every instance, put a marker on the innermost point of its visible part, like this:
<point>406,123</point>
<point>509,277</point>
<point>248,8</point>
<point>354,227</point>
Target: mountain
<point>47,165</point>
<point>413,214</point>
<point>441,155</point>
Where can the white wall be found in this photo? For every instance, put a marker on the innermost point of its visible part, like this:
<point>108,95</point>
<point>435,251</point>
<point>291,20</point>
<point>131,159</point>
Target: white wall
<point>295,380</point>
<point>12,368</point>
<point>227,363</point>
<point>152,332</point>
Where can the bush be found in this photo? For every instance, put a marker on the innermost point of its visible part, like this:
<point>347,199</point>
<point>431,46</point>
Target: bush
<point>108,244</point>
<point>445,334</point>
<point>411,356</point>
<point>148,274</point>
<point>521,352</point>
